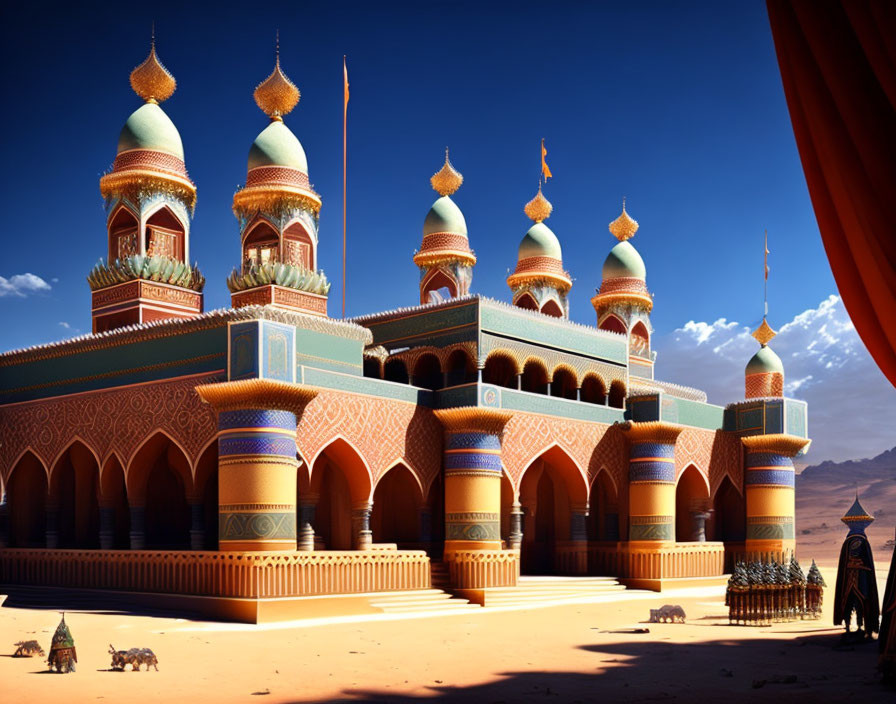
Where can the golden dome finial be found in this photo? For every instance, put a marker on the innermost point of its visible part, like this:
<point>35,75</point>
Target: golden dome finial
<point>151,80</point>
<point>624,227</point>
<point>539,208</point>
<point>764,333</point>
<point>276,95</point>
<point>447,179</point>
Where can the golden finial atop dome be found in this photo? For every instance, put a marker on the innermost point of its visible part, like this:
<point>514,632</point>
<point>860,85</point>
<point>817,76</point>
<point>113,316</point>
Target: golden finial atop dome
<point>624,227</point>
<point>276,95</point>
<point>447,179</point>
<point>764,333</point>
<point>539,208</point>
<point>151,80</point>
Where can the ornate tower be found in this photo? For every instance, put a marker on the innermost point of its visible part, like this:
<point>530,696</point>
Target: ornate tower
<point>539,281</point>
<point>623,303</point>
<point>764,375</point>
<point>278,214</point>
<point>149,201</point>
<point>445,258</point>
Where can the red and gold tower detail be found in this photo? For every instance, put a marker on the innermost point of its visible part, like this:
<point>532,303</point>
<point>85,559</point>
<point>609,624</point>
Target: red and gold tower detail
<point>764,375</point>
<point>445,258</point>
<point>278,214</point>
<point>623,303</point>
<point>539,281</point>
<point>149,201</point>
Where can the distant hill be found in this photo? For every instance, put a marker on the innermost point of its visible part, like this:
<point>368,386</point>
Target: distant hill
<point>825,491</point>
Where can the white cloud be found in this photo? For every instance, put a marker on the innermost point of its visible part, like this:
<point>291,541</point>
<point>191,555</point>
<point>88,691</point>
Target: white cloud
<point>21,285</point>
<point>65,325</point>
<point>852,406</point>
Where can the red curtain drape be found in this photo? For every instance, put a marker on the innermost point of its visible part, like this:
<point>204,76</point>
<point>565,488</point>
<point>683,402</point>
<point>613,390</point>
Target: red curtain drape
<point>838,66</point>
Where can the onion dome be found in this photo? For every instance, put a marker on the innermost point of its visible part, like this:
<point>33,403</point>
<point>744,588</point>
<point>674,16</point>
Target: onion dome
<point>445,228</point>
<point>540,257</point>
<point>764,374</point>
<point>150,154</point>
<point>857,519</point>
<point>277,169</point>
<point>624,275</point>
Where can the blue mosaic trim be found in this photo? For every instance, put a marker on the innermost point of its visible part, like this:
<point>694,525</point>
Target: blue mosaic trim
<point>473,460</point>
<point>651,472</point>
<point>770,477</point>
<point>652,449</point>
<point>260,445</point>
<point>473,441</point>
<point>768,459</point>
<point>256,418</point>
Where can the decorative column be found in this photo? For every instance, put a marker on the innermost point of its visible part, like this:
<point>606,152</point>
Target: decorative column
<point>138,527</point>
<point>651,501</point>
<point>4,522</point>
<point>362,536</point>
<point>197,526</point>
<point>516,526</point>
<point>769,493</point>
<point>107,527</point>
<point>307,509</point>
<point>473,470</point>
<point>577,562</point>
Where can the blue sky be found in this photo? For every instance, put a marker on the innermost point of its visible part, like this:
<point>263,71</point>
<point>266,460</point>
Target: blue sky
<point>677,106</point>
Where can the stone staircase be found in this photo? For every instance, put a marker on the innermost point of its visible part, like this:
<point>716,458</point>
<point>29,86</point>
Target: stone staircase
<point>440,576</point>
<point>548,590</point>
<point>424,601</point>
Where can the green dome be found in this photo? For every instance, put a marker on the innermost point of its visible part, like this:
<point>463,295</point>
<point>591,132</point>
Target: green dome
<point>624,261</point>
<point>444,216</point>
<point>765,360</point>
<point>149,127</point>
<point>277,146</point>
<point>540,241</point>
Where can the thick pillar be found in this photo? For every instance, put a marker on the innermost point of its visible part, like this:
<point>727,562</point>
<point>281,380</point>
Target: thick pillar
<point>107,528</point>
<point>362,536</point>
<point>769,493</point>
<point>257,479</point>
<point>197,526</point>
<point>138,527</point>
<point>473,471</point>
<point>652,483</point>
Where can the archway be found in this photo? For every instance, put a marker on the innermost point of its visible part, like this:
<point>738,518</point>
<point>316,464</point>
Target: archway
<point>373,368</point>
<point>551,487</point>
<point>728,521</point>
<point>526,301</point>
<point>500,370</point>
<point>603,515</point>
<point>74,492</point>
<point>612,324</point>
<point>593,390</point>
<point>114,498</point>
<point>553,309</point>
<point>206,494</point>
<point>427,372</point>
<point>691,499</point>
<point>164,235</point>
<point>397,500</point>
<point>535,377</point>
<point>617,394</point>
<point>639,340</point>
<point>159,479</point>
<point>437,286</point>
<point>564,383</point>
<point>341,481</point>
<point>435,501</point>
<point>396,370</point>
<point>298,247</point>
<point>27,499</point>
<point>460,368</point>
<point>123,239</point>
<point>261,244</point>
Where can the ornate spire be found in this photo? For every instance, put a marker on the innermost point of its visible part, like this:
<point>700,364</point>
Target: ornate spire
<point>624,227</point>
<point>764,333</point>
<point>447,179</point>
<point>151,80</point>
<point>857,519</point>
<point>539,208</point>
<point>276,95</point>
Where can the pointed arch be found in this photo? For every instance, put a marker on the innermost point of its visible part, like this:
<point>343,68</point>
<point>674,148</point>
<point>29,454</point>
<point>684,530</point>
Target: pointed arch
<point>427,371</point>
<point>603,511</point>
<point>613,324</point>
<point>691,496</point>
<point>75,440</point>
<point>564,382</point>
<point>552,308</point>
<point>728,522</point>
<point>460,367</point>
<point>639,340</point>
<point>526,301</point>
<point>299,247</point>
<point>74,495</point>
<point>351,462</point>
<point>26,493</point>
<point>501,369</point>
<point>205,492</point>
<point>114,498</point>
<point>397,499</point>
<point>123,225</point>
<point>594,390</point>
<point>617,394</point>
<point>434,280</point>
<point>340,483</point>
<point>535,376</point>
<point>165,233</point>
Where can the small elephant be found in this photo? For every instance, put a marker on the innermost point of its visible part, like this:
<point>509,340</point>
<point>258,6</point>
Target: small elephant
<point>135,657</point>
<point>667,614</point>
<point>28,649</point>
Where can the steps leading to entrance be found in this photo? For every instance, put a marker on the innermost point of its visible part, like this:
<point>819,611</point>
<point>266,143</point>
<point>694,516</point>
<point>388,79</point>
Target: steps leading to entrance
<point>533,591</point>
<point>440,577</point>
<point>422,601</point>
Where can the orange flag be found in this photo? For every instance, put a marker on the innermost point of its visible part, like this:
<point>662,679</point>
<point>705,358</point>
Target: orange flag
<point>345,75</point>
<point>545,171</point>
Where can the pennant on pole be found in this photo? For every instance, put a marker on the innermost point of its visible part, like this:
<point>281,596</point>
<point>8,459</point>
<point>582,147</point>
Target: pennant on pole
<point>344,161</point>
<point>545,171</point>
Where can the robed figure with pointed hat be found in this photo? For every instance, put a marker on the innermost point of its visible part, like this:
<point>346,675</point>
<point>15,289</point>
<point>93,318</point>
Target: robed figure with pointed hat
<point>62,649</point>
<point>856,580</point>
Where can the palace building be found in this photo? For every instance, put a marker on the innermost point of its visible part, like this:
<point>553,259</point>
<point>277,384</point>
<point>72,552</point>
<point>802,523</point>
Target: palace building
<point>267,460</point>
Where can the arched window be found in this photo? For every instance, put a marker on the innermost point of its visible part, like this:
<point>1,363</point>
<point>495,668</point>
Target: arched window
<point>396,370</point>
<point>500,370</point>
<point>461,368</point>
<point>593,390</point>
<point>261,245</point>
<point>639,340</point>
<point>164,235</point>
<point>123,239</point>
<point>552,309</point>
<point>564,384</point>
<point>617,394</point>
<point>428,372</point>
<point>433,283</point>
<point>613,324</point>
<point>526,301</point>
<point>298,249</point>
<point>372,368</point>
<point>535,377</point>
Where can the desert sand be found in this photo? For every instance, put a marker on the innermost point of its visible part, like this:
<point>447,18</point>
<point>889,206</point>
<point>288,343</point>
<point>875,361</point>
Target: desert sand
<point>562,653</point>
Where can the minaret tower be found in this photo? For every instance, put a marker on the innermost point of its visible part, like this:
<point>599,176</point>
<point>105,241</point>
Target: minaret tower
<point>764,375</point>
<point>539,281</point>
<point>278,213</point>
<point>445,258</point>
<point>149,202</point>
<point>623,303</point>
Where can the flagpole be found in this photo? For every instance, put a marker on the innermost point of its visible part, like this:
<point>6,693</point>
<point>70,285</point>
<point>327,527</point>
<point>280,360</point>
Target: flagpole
<point>765,294</point>
<point>344,162</point>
